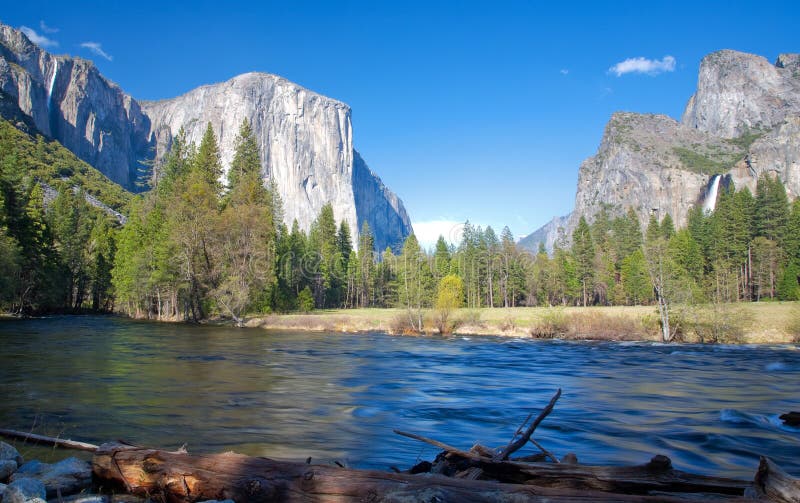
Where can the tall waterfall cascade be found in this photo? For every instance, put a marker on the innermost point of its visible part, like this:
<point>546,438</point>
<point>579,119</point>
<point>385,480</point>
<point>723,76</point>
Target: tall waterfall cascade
<point>52,84</point>
<point>710,201</point>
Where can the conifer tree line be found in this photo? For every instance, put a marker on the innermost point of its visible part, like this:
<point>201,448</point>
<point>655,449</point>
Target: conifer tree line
<point>56,250</point>
<point>194,247</point>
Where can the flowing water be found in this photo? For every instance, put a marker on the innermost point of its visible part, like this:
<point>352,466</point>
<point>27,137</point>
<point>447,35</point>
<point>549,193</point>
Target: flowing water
<point>712,409</point>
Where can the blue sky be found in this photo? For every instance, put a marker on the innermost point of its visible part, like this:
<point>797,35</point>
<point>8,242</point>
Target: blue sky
<point>468,110</point>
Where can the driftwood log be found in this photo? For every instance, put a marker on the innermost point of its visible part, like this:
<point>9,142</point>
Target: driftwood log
<point>58,442</point>
<point>179,477</point>
<point>773,484</point>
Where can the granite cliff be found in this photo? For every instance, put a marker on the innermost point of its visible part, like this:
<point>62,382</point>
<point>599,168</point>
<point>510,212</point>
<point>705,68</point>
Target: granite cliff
<point>305,139</point>
<point>743,120</point>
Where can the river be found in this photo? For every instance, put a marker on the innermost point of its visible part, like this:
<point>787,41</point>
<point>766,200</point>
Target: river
<point>712,409</point>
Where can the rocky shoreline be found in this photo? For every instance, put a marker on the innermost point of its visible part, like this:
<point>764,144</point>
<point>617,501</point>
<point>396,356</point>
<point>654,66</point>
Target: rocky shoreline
<point>66,481</point>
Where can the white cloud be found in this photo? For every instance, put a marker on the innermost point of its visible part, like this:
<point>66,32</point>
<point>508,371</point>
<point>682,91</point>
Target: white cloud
<point>564,71</point>
<point>643,65</point>
<point>37,39</point>
<point>97,49</point>
<point>428,232</point>
<point>47,29</point>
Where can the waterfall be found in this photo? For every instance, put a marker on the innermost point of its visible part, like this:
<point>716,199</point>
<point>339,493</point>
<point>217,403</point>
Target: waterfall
<point>52,84</point>
<point>710,201</point>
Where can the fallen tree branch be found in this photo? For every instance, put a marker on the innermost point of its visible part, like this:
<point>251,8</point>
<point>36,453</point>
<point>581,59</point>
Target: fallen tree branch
<point>58,442</point>
<point>544,451</point>
<point>517,444</point>
<point>441,445</point>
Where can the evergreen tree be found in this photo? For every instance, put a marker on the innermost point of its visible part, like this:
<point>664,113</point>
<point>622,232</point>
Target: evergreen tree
<point>771,208</point>
<point>635,280</point>
<point>246,159</point>
<point>583,253</point>
<point>366,268</point>
<point>244,264</point>
<point>441,259</point>
<point>71,225</point>
<point>414,281</point>
<point>667,226</point>
<point>207,163</point>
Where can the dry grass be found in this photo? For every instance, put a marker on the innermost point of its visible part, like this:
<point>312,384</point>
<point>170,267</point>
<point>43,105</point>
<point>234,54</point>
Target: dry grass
<point>764,322</point>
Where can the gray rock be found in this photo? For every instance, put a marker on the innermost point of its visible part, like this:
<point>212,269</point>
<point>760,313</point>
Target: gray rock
<point>69,100</point>
<point>25,490</point>
<point>306,146</point>
<point>68,476</point>
<point>305,139</point>
<point>2,490</point>
<point>744,120</point>
<point>9,452</point>
<point>739,92</point>
<point>7,467</point>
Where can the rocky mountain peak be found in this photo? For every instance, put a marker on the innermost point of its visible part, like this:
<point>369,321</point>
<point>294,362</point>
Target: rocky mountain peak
<point>305,139</point>
<point>743,120</point>
<point>788,60</point>
<point>738,93</point>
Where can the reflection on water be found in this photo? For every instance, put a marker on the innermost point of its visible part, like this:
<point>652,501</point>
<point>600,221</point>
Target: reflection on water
<point>712,409</point>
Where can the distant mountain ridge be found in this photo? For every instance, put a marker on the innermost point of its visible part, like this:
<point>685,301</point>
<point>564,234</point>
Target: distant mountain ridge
<point>743,120</point>
<point>305,139</point>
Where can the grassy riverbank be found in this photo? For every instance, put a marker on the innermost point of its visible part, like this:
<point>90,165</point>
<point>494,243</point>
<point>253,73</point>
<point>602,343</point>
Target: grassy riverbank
<point>764,322</point>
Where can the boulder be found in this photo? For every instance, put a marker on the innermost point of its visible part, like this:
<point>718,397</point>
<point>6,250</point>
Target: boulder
<point>68,476</point>
<point>7,467</point>
<point>25,490</point>
<point>9,452</point>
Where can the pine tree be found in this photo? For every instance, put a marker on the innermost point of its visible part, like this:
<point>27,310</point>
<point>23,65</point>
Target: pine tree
<point>414,281</point>
<point>667,226</point>
<point>583,252</point>
<point>244,244</point>
<point>208,162</point>
<point>441,259</point>
<point>771,209</point>
<point>246,158</point>
<point>635,280</point>
<point>366,269</point>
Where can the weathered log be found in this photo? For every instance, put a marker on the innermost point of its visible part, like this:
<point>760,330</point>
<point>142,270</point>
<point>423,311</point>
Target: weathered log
<point>58,442</point>
<point>655,476</point>
<point>773,484</point>
<point>178,477</point>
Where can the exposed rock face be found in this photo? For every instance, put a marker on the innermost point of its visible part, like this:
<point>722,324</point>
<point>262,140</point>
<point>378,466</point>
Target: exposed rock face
<point>305,139</point>
<point>548,234</point>
<point>739,92</point>
<point>744,120</point>
<point>379,207</point>
<point>69,100</point>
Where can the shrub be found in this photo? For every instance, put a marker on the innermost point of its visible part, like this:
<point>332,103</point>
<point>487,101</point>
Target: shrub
<point>794,324</point>
<point>598,326</point>
<point>472,318</point>
<point>402,325</point>
<point>551,324</point>
<point>717,322</point>
<point>507,324</point>
<point>305,300</point>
